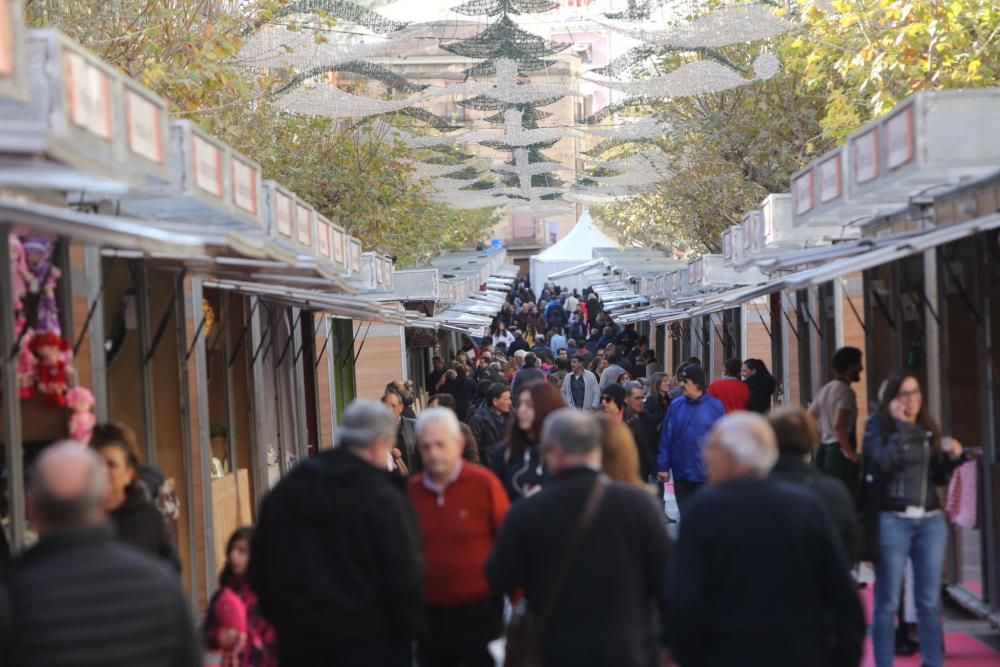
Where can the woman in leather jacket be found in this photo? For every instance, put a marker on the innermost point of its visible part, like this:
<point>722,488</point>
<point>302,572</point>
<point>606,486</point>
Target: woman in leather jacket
<point>906,459</point>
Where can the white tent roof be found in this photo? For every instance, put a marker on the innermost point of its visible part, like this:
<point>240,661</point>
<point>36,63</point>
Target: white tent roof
<point>576,248</point>
<point>579,243</point>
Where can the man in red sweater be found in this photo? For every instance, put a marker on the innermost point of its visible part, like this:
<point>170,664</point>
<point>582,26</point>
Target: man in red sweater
<point>731,390</point>
<point>459,507</point>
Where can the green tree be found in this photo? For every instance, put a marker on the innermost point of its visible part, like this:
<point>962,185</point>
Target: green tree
<point>864,56</point>
<point>849,61</point>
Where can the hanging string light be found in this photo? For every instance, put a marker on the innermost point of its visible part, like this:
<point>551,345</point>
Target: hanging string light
<point>696,78</point>
<point>346,11</point>
<point>730,24</point>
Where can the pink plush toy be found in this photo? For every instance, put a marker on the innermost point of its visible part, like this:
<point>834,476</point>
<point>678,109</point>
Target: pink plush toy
<point>81,425</point>
<point>27,364</point>
<point>20,277</point>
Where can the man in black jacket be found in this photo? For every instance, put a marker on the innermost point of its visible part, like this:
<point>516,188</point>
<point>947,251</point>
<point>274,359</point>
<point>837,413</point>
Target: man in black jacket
<point>335,558</point>
<point>760,577</point>
<point>528,375</point>
<point>602,614</point>
<point>81,597</point>
<point>489,423</point>
<point>797,436</point>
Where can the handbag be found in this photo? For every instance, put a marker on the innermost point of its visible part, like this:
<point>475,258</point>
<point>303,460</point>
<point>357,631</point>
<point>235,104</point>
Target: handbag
<point>525,630</point>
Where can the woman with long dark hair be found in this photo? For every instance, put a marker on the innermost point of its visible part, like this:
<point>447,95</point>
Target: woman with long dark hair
<point>905,460</point>
<point>235,632</point>
<point>136,519</point>
<point>516,461</point>
<point>657,401</point>
<point>761,384</point>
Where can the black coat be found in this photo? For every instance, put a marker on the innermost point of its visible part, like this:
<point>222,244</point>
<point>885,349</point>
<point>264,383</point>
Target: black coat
<point>139,523</point>
<point>336,556</point>
<point>619,570</point>
<point>406,443</point>
<point>463,390</point>
<point>831,492</point>
<point>518,344</point>
<point>84,598</point>
<point>761,388</point>
<point>760,578</point>
<point>647,441</point>
<point>656,408</point>
<point>489,429</point>
<point>518,473</point>
<point>524,377</point>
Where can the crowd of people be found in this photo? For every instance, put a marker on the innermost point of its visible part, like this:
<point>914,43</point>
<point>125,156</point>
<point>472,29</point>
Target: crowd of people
<point>525,500</point>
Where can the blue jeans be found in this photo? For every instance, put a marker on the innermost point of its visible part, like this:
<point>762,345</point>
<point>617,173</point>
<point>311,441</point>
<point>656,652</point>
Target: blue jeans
<point>924,541</point>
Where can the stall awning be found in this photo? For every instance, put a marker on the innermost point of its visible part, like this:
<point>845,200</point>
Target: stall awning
<point>335,304</point>
<point>892,250</point>
<point>577,270</point>
<point>246,269</point>
<point>673,316</point>
<point>24,217</point>
<point>815,255</point>
<point>642,315</point>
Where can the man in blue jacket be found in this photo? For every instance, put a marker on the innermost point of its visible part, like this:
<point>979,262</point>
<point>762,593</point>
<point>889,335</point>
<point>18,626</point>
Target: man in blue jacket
<point>685,428</point>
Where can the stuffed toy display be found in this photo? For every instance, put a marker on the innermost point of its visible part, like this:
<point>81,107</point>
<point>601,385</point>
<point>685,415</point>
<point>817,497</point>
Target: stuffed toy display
<point>45,277</point>
<point>81,423</point>
<point>27,364</point>
<point>53,354</point>
<point>20,277</point>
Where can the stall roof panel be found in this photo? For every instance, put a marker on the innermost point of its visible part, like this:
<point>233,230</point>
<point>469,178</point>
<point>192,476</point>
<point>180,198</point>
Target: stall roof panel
<point>892,249</point>
<point>209,183</point>
<point>101,230</point>
<point>13,54</point>
<point>341,305</point>
<point>69,135</point>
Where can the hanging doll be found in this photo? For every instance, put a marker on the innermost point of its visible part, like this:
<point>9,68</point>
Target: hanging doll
<point>27,364</point>
<point>45,276</point>
<point>81,424</point>
<point>20,276</point>
<point>53,354</point>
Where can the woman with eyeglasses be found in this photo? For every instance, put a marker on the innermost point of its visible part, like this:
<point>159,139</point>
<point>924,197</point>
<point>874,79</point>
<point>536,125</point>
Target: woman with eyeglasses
<point>905,460</point>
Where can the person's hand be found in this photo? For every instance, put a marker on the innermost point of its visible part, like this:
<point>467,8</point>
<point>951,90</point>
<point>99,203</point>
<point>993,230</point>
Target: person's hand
<point>897,410</point>
<point>850,455</point>
<point>396,454</point>
<point>664,476</point>
<point>952,447</point>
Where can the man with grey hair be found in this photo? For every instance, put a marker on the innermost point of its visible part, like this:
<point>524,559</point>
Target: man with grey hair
<point>460,507</point>
<point>760,576</point>
<point>585,543</point>
<point>81,597</point>
<point>335,558</point>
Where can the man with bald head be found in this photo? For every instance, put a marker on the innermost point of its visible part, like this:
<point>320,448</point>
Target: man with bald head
<point>760,576</point>
<point>607,540</point>
<point>460,507</point>
<point>79,596</point>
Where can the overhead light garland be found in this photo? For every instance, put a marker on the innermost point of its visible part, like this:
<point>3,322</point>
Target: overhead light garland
<point>498,7</point>
<point>360,67</point>
<point>505,39</point>
<point>728,25</point>
<point>633,63</point>
<point>695,78</point>
<point>347,11</point>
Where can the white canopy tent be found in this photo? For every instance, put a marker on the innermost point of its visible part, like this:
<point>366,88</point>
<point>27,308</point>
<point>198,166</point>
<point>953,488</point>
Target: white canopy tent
<point>576,248</point>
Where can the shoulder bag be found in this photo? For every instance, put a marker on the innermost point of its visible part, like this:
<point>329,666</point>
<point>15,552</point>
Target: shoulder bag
<point>525,630</point>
